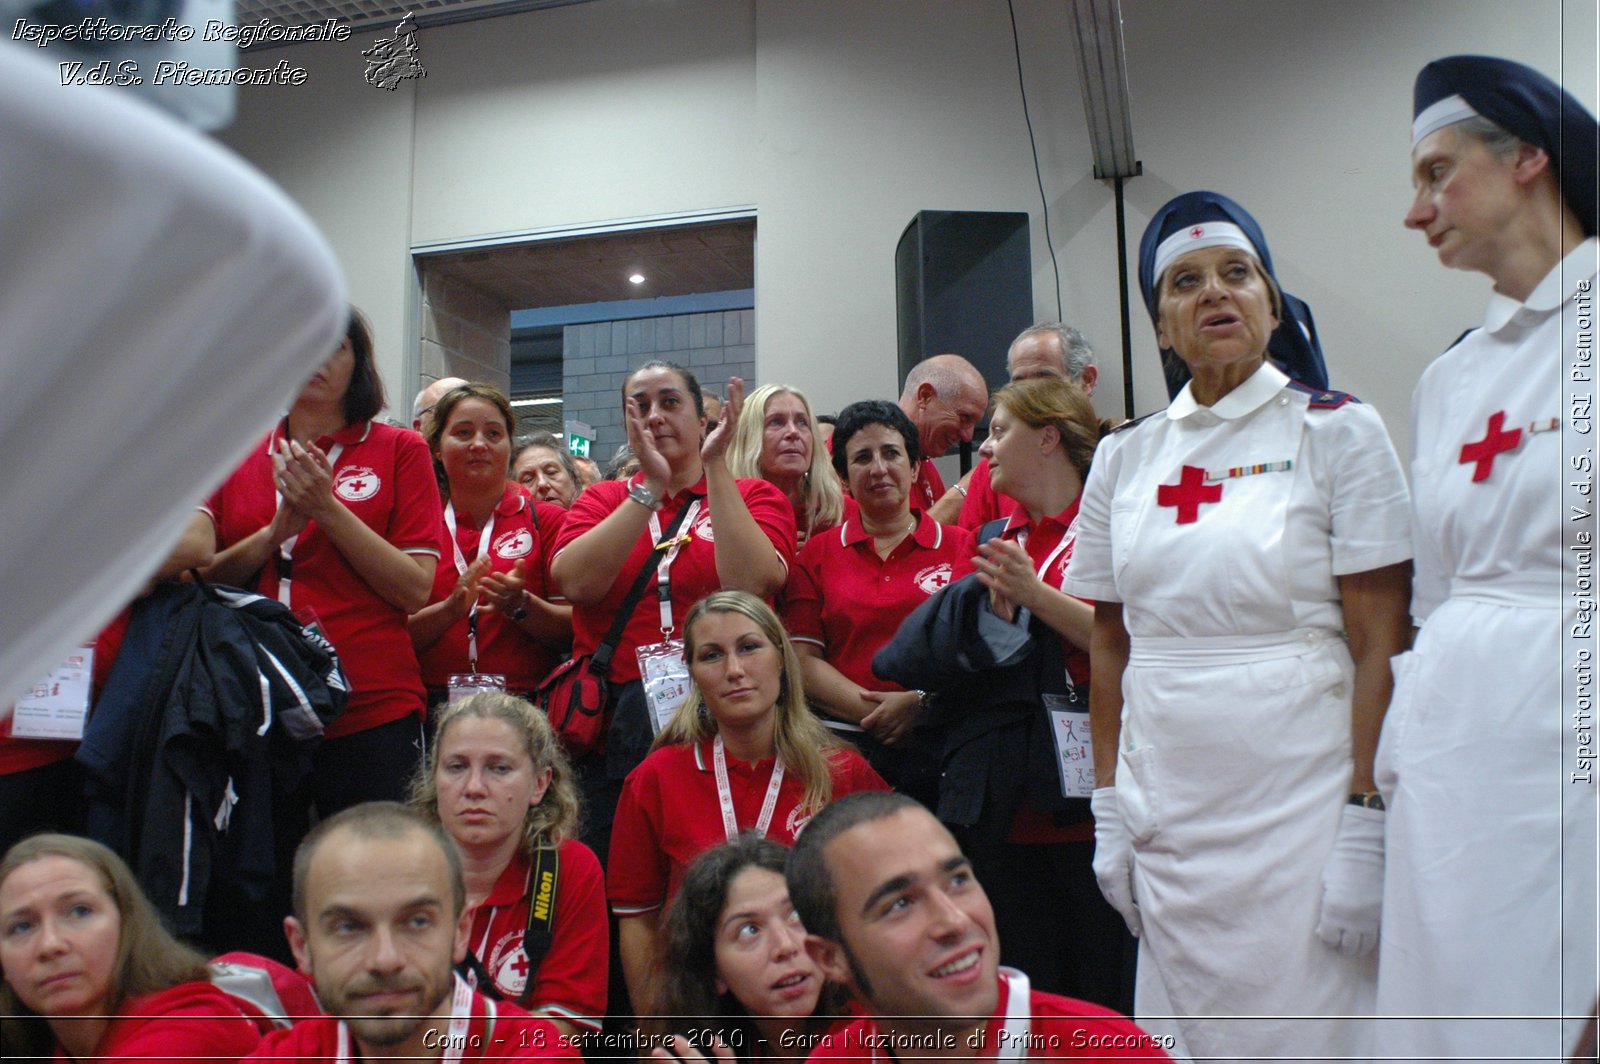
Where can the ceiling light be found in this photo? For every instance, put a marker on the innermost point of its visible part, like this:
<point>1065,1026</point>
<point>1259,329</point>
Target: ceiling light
<point>637,278</point>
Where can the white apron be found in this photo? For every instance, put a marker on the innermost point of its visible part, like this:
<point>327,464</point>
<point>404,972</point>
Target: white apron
<point>1490,891</point>
<point>1235,756</point>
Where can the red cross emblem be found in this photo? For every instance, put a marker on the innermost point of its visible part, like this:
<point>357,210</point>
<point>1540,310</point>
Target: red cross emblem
<point>520,964</point>
<point>1198,231</point>
<point>1188,494</point>
<point>357,485</point>
<point>1495,440</point>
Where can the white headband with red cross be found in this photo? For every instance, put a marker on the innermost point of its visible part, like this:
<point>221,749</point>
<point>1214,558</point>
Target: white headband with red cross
<point>1197,236</point>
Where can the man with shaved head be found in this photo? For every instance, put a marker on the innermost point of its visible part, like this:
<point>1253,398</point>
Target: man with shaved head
<point>1049,349</point>
<point>429,398</point>
<point>945,397</point>
<point>380,920</point>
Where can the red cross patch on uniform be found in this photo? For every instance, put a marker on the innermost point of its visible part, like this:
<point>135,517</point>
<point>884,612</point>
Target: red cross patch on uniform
<point>1189,494</point>
<point>1497,439</point>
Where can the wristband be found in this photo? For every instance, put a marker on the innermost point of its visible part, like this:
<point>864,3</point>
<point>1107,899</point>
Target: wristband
<point>644,497</point>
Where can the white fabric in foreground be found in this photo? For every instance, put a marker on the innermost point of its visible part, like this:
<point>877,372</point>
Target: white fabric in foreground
<point>160,303</point>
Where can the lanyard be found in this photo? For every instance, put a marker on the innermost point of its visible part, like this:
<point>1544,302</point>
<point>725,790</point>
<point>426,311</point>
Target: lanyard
<point>461,567</point>
<point>1067,539</point>
<point>286,548</point>
<point>483,540</point>
<point>663,578</point>
<point>1014,1043</point>
<point>730,823</point>
<point>1016,1034</point>
<point>455,1038</point>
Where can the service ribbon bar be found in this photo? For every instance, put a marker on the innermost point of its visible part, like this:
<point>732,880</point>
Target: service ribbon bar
<point>1249,470</point>
<point>1547,425</point>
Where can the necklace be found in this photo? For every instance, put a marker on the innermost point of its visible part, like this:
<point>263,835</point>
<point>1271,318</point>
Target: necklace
<point>884,535</point>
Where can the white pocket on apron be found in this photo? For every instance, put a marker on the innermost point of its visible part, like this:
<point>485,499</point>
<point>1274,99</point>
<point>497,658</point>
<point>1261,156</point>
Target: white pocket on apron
<point>1138,784</point>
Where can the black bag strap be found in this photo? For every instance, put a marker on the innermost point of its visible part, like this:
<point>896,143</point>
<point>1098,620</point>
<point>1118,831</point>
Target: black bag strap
<point>600,661</point>
<point>536,938</point>
<point>540,932</point>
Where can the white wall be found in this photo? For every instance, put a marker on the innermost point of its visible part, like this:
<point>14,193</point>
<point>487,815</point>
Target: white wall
<point>1302,111</point>
<point>839,119</point>
<point>343,150</point>
<point>868,113</point>
<point>584,113</point>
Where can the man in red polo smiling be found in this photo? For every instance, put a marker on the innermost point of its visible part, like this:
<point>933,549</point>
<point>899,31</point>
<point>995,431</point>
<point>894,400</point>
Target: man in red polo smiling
<point>893,912</point>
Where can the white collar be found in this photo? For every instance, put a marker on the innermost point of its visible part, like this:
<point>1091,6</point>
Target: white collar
<point>1558,286</point>
<point>1266,382</point>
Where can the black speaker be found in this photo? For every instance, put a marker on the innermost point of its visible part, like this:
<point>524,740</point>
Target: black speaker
<point>963,284</point>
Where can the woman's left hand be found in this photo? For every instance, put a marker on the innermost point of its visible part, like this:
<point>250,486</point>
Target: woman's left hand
<point>305,478</point>
<point>897,711</point>
<point>504,592</point>
<point>1007,571</point>
<point>716,444</point>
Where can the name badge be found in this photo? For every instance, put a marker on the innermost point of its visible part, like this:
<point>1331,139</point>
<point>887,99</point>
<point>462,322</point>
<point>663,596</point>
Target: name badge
<point>467,684</point>
<point>57,705</point>
<point>1069,726</point>
<point>666,680</point>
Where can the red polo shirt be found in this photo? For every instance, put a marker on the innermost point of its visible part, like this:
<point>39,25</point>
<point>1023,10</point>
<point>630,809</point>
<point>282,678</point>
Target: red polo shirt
<point>571,979</point>
<point>929,487</point>
<point>188,1021</point>
<point>1040,542</point>
<point>669,814</point>
<point>694,571</point>
<point>1060,1028</point>
<point>384,475</point>
<point>524,531</point>
<point>849,602</point>
<point>982,503</point>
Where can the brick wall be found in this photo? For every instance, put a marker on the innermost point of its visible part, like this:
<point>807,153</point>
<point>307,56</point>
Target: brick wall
<point>597,358</point>
<point>465,333</point>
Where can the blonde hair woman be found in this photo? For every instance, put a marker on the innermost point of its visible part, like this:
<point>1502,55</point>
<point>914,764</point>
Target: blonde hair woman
<point>782,447</point>
<point>742,752</point>
<point>498,782</point>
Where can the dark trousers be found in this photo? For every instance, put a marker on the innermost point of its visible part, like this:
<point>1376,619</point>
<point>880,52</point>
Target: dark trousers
<point>47,798</point>
<point>373,765</point>
<point>1054,924</point>
<point>599,777</point>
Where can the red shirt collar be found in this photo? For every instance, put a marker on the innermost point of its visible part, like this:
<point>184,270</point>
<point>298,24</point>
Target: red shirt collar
<point>352,433</point>
<point>702,758</point>
<point>512,884</point>
<point>1020,521</point>
<point>513,501</point>
<point>927,534</point>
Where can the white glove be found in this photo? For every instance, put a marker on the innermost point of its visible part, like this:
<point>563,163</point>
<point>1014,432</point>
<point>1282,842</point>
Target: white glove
<point>1113,857</point>
<point>1352,884</point>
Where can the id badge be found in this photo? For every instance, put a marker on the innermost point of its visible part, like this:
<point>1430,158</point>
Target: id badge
<point>1069,726</point>
<point>467,684</point>
<point>57,705</point>
<point>666,680</point>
